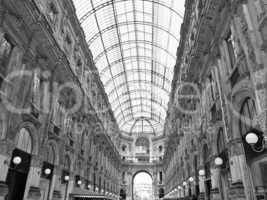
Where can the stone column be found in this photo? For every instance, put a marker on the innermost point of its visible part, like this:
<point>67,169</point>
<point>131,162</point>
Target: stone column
<point>215,173</point>
<point>4,160</point>
<point>239,173</point>
<point>129,188</point>
<point>70,186</point>
<point>32,190</point>
<point>55,193</point>
<point>201,187</point>
<point>154,185</point>
<point>186,190</point>
<point>180,193</point>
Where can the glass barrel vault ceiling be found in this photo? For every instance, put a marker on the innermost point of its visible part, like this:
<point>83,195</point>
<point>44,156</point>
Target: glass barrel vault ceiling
<point>134,45</point>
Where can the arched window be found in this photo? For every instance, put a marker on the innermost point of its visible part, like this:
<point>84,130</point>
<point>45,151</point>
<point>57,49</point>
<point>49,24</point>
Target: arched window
<point>160,148</point>
<point>160,177</point>
<point>247,113</point>
<point>123,177</point>
<point>206,162</point>
<point>94,181</point>
<point>88,174</point>
<point>221,144</point>
<point>50,155</point>
<point>24,141</point>
<point>67,163</point>
<point>83,142</point>
<point>142,144</point>
<point>79,167</point>
<point>123,148</point>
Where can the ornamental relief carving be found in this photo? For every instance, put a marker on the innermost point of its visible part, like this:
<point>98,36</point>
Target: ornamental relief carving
<point>263,32</point>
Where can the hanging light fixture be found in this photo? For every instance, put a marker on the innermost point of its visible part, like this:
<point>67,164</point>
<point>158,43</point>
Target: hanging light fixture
<point>179,187</point>
<point>184,183</point>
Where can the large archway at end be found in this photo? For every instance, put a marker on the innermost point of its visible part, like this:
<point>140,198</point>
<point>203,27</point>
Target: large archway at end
<point>142,186</point>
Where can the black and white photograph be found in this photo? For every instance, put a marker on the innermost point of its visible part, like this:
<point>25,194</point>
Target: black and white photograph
<point>133,99</point>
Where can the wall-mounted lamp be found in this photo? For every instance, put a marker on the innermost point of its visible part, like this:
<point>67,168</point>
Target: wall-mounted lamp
<point>251,138</point>
<point>201,172</point>
<point>191,179</point>
<point>256,140</point>
<point>66,178</point>
<point>79,182</point>
<point>47,171</point>
<point>17,160</point>
<point>218,161</point>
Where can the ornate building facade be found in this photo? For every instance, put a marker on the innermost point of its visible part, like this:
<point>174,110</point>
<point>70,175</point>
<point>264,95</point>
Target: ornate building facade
<point>83,113</point>
<point>52,152</point>
<point>221,62</point>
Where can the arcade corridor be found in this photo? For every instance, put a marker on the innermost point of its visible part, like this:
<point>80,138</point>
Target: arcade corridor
<point>133,100</point>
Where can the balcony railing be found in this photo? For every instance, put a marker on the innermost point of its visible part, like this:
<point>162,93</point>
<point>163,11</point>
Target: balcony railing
<point>142,159</point>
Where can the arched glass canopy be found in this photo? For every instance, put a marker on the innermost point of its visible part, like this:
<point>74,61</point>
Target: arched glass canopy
<point>134,44</point>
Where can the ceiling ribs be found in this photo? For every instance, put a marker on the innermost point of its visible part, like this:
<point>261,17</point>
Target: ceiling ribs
<point>122,56</point>
<point>97,23</point>
<point>101,6</point>
<point>113,26</point>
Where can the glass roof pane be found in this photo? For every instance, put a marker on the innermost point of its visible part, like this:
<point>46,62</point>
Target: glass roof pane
<point>134,46</point>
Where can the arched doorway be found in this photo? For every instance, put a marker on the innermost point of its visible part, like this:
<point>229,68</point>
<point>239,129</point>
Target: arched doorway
<point>19,166</point>
<point>142,186</point>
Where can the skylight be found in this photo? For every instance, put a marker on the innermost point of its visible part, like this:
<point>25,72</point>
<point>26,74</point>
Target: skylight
<point>134,45</point>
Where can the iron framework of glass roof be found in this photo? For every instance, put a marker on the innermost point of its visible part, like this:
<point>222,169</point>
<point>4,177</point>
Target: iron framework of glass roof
<point>134,45</point>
